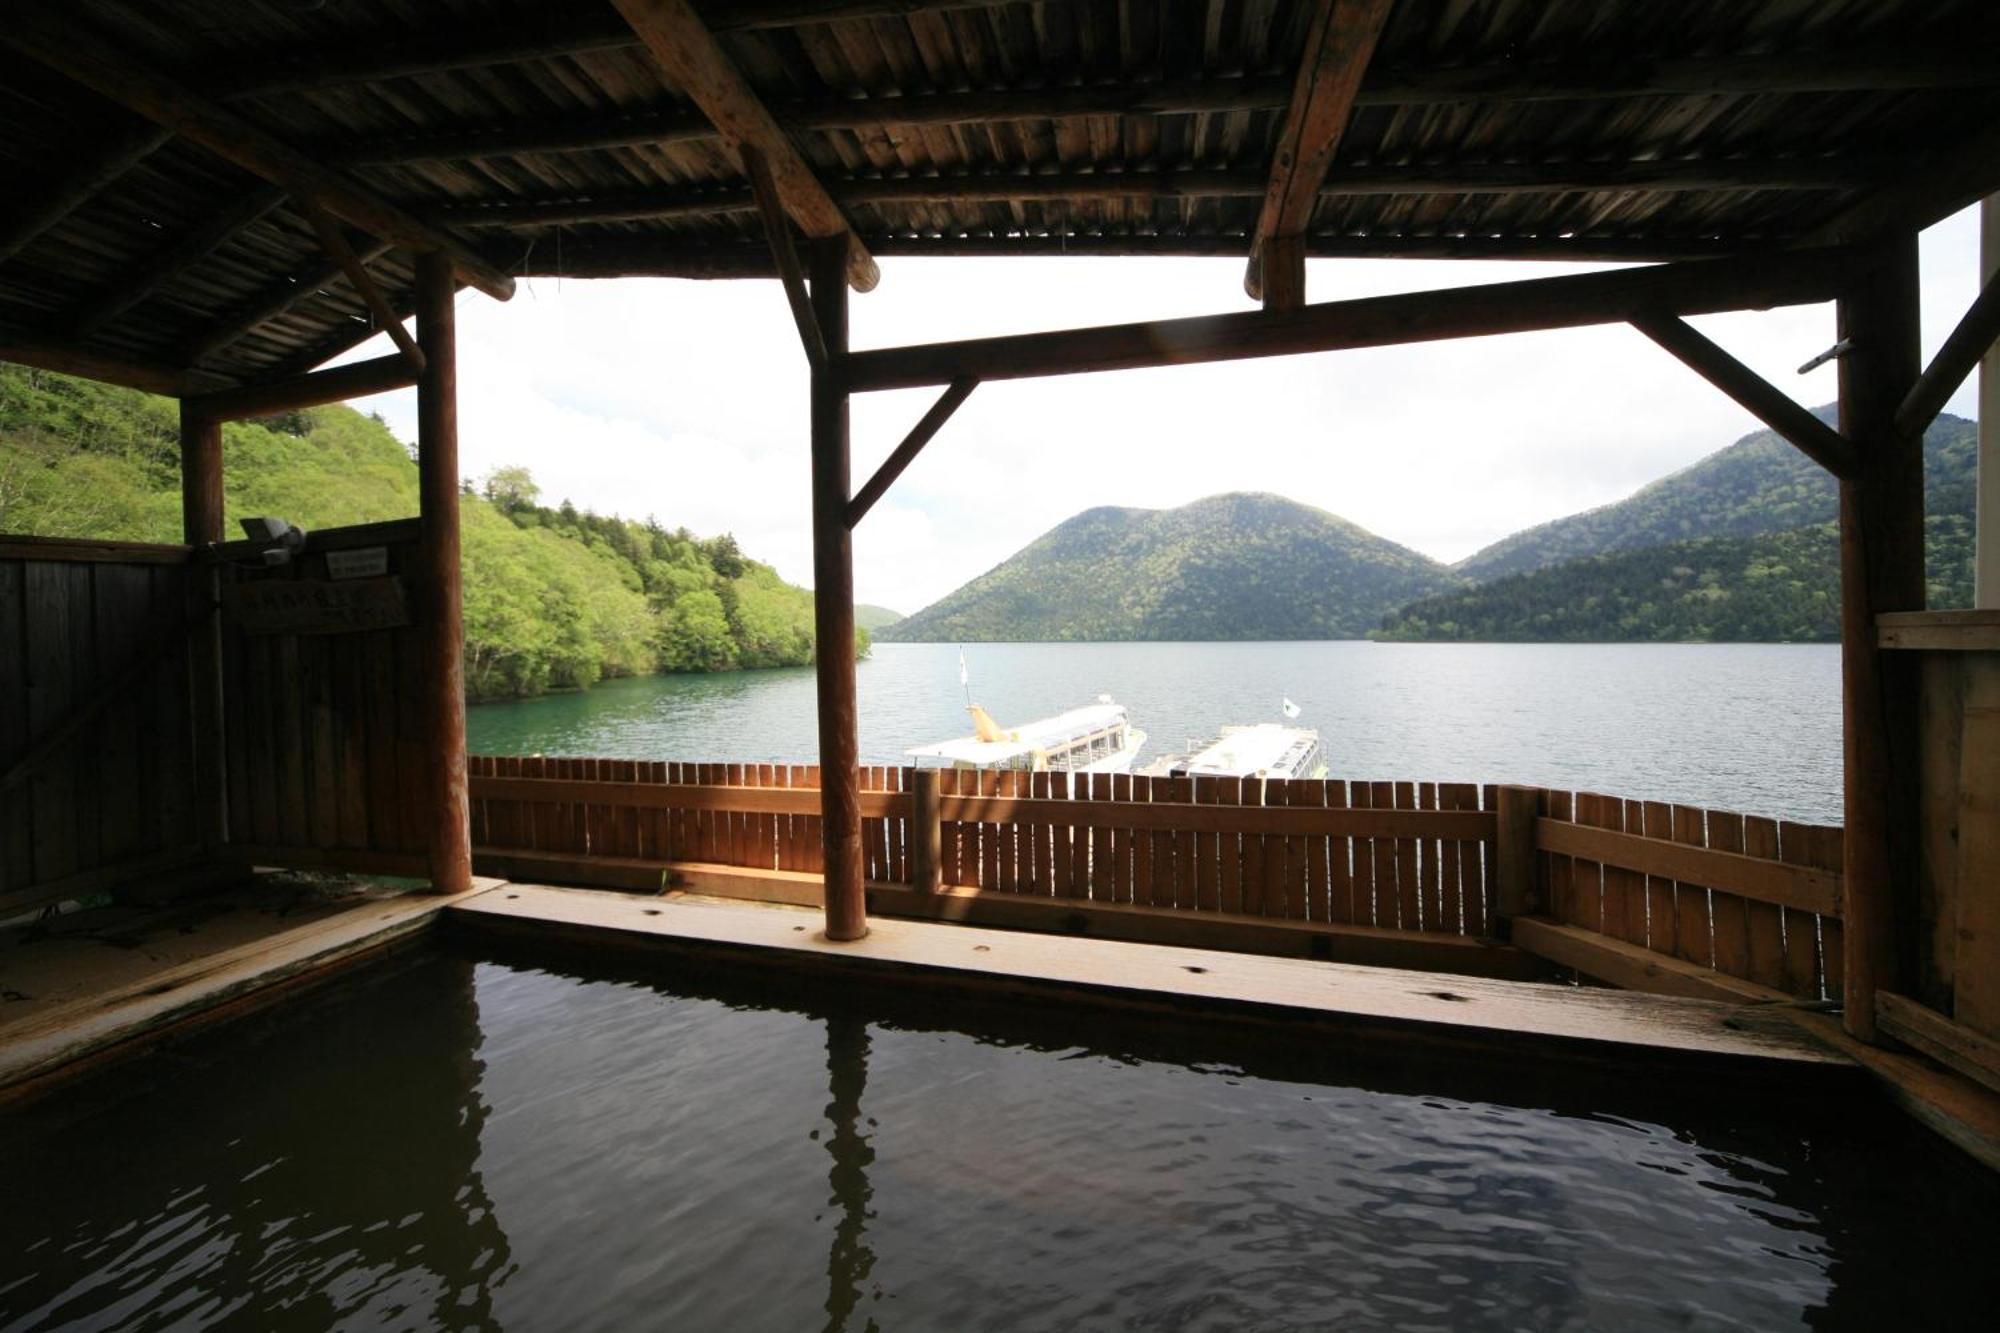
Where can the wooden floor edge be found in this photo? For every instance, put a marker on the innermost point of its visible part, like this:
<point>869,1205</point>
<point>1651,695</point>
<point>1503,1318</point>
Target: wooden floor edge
<point>76,1038</point>
<point>1441,1008</point>
<point>1959,1110</point>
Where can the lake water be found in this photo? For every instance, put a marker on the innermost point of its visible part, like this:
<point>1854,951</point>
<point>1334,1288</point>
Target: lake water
<point>1753,728</point>
<point>485,1141</point>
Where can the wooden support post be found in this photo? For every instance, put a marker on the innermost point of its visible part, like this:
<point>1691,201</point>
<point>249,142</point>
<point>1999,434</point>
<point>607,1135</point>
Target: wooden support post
<point>926,834</point>
<point>833,606</point>
<point>201,526</point>
<point>1282,270</point>
<point>1881,569</point>
<point>1514,859</point>
<point>439,571</point>
<point>778,231</point>
<point>1986,509</point>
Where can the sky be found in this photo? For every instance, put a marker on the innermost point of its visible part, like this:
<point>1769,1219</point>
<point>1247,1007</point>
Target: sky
<point>687,401</point>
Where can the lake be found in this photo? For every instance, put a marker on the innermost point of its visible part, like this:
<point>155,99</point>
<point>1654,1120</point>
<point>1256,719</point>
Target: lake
<point>1753,728</point>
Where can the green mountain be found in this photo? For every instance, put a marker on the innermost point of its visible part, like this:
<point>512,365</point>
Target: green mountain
<point>554,598</point>
<point>872,618</point>
<point>1758,484</point>
<point>1782,586</point>
<point>1241,566</point>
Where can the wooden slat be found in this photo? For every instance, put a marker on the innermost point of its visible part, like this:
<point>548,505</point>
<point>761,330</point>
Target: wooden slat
<point>1730,914</point>
<point>1310,793</point>
<point>1663,923</point>
<point>1693,932</point>
<point>1954,1045</point>
<point>1298,903</point>
<point>1587,873</point>
<point>1430,883</point>
<point>1409,906</point>
<point>1342,908</point>
<point>1767,964</point>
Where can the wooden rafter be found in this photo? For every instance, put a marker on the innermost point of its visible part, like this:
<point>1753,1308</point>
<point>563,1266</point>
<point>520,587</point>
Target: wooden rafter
<point>174,259</point>
<point>906,453</point>
<point>1620,296</point>
<point>272,303</point>
<point>36,211</point>
<point>357,379</point>
<point>1339,45</point>
<point>1960,355</point>
<point>778,232</point>
<point>1811,436</point>
<point>1930,190</point>
<point>699,67</point>
<point>336,246</point>
<point>48,36</point>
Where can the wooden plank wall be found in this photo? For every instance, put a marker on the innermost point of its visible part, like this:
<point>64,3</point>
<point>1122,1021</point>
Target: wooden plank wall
<point>1631,895</point>
<point>325,747</point>
<point>114,797</point>
<point>1429,881</point>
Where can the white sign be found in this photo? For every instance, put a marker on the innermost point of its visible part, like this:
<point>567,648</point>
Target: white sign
<point>364,562</point>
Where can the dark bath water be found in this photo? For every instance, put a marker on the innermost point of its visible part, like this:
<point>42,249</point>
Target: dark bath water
<point>1753,728</point>
<point>460,1142</point>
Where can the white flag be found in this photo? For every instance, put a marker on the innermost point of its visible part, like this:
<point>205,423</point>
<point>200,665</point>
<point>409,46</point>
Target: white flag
<point>1291,709</point>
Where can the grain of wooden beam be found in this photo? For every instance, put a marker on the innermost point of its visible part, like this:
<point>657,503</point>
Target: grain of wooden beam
<point>1338,47</point>
<point>698,66</point>
<point>357,379</point>
<point>69,359</point>
<point>68,46</point>
<point>1699,287</point>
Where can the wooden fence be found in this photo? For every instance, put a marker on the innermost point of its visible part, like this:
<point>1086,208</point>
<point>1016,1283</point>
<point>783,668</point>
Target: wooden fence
<point>1645,893</point>
<point>95,744</point>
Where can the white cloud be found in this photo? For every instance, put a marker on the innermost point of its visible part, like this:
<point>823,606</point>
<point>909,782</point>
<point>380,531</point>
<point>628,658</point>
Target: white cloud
<point>688,401</point>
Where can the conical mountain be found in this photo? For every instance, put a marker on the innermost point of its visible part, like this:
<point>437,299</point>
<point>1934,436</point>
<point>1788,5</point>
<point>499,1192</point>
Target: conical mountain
<point>1237,566</point>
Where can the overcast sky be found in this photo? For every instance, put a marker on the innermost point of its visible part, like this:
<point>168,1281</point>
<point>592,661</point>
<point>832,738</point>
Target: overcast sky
<point>687,401</point>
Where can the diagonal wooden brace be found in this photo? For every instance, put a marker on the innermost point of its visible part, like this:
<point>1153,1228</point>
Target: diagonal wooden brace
<point>341,253</point>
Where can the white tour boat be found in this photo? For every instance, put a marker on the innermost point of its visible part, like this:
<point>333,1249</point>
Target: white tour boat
<point>1097,738</point>
<point>1259,750</point>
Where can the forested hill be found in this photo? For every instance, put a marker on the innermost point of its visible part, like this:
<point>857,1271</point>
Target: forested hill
<point>554,597</point>
<point>1758,484</point>
<point>1776,586</point>
<point>1242,566</point>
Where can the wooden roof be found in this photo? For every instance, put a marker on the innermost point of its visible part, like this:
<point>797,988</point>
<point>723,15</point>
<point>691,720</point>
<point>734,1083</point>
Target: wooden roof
<point>544,137</point>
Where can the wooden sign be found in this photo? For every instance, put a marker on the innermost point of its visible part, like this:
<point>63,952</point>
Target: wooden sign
<point>315,606</point>
<point>364,562</point>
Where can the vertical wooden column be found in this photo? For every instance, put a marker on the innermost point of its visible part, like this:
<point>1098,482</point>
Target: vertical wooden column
<point>833,606</point>
<point>1283,272</point>
<point>1986,512</point>
<point>440,575</point>
<point>926,835</point>
<point>1881,569</point>
<point>1514,892</point>
<point>201,526</point>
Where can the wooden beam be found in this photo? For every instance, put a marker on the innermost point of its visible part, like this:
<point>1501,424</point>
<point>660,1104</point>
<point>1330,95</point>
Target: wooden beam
<point>1967,631</point>
<point>448,835</point>
<point>1960,356</point>
<point>905,453</point>
<point>50,37</point>
<point>1691,288</point>
<point>778,233</point>
<point>1811,436</point>
<point>357,379</point>
<point>274,302</point>
<point>1872,68</point>
<point>331,241</point>
<point>1339,45</point>
<point>1633,966</point>
<point>833,608</point>
<point>615,256</point>
<point>718,198</point>
<point>1803,888</point>
<point>1881,569</point>
<point>175,258</point>
<point>1934,187</point>
<point>699,67</point>
<point>69,359</point>
<point>1953,1045</point>
<point>37,209</point>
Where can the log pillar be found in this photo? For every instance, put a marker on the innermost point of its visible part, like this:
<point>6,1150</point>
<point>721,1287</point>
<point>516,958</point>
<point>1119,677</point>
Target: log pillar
<point>1283,270</point>
<point>1881,569</point>
<point>201,526</point>
<point>439,578</point>
<point>1986,514</point>
<point>833,606</point>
